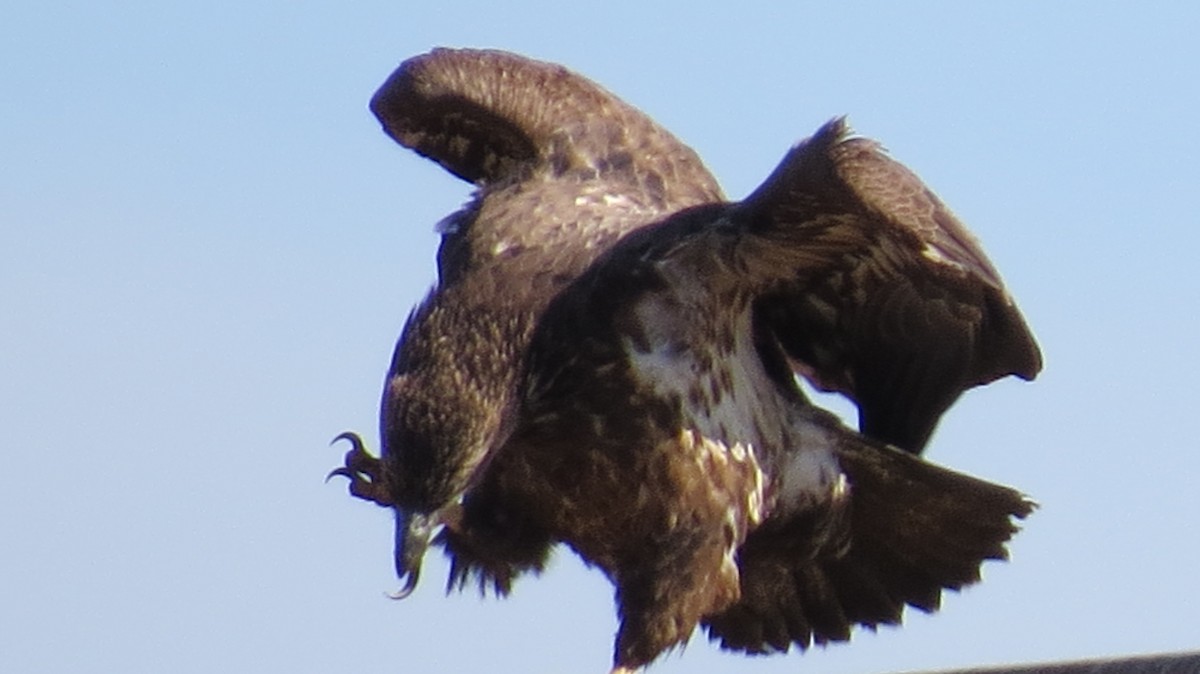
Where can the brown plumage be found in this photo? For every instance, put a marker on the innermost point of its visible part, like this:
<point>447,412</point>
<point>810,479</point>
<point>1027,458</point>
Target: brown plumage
<point>609,357</point>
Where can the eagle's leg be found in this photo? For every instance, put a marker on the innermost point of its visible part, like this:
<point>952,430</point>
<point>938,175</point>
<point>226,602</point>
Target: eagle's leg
<point>663,598</point>
<point>364,471</point>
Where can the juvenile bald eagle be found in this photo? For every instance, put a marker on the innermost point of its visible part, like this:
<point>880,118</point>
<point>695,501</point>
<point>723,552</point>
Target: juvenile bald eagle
<point>609,360</point>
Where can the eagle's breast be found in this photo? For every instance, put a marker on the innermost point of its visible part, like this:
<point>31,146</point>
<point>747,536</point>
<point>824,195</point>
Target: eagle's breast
<point>691,343</point>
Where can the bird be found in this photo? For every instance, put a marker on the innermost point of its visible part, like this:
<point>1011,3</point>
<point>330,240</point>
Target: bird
<point>610,360</point>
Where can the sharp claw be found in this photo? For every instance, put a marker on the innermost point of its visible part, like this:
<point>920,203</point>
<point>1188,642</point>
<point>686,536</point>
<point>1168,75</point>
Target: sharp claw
<point>363,470</point>
<point>353,438</point>
<point>344,471</point>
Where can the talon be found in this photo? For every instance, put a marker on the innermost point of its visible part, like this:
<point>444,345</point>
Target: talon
<point>354,438</point>
<point>363,471</point>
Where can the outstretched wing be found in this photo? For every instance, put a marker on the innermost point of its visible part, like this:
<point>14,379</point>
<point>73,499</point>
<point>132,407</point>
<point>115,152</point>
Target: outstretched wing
<point>875,289</point>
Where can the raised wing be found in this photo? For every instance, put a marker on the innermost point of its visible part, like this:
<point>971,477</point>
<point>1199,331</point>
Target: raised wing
<point>491,116</point>
<point>564,166</point>
<point>875,290</point>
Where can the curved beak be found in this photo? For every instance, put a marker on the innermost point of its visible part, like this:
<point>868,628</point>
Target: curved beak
<point>413,531</point>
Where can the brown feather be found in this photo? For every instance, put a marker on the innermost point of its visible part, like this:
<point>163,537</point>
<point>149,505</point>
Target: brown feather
<point>608,358</point>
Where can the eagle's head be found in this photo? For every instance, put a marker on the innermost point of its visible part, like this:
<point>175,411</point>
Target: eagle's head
<point>446,402</point>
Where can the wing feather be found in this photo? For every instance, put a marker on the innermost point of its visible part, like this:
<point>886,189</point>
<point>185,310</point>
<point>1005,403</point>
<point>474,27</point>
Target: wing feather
<point>564,167</point>
<point>875,289</point>
<point>490,116</point>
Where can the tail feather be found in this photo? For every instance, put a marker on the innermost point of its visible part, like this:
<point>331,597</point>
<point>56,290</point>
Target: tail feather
<point>914,530</point>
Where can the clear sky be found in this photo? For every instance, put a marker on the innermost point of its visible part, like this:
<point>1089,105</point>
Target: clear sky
<point>207,249</point>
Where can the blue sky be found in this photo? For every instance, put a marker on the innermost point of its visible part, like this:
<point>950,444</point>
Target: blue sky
<point>207,249</point>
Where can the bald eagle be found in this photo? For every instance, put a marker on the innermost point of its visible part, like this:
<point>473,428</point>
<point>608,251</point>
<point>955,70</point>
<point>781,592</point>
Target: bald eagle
<point>609,360</point>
